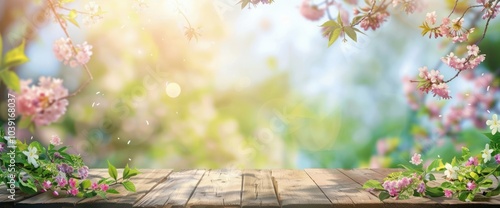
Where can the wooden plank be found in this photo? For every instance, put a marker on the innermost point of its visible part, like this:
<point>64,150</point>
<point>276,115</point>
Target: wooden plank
<point>175,191</point>
<point>342,190</point>
<point>47,200</point>
<point>218,188</point>
<point>363,175</point>
<point>144,182</point>
<point>258,189</point>
<point>295,188</point>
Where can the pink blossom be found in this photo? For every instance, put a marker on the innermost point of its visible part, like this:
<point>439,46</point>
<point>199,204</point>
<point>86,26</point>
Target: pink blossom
<point>468,63</point>
<point>104,187</point>
<point>416,159</point>
<point>72,183</point>
<point>472,50</point>
<point>473,161</point>
<point>497,158</point>
<point>61,179</point>
<point>55,140</point>
<point>44,103</point>
<point>55,193</point>
<point>374,21</point>
<point>311,12</point>
<point>471,185</point>
<point>431,18</point>
<point>94,186</point>
<point>491,10</point>
<point>46,185</point>
<point>72,55</point>
<point>73,191</point>
<point>441,90</point>
<point>448,193</point>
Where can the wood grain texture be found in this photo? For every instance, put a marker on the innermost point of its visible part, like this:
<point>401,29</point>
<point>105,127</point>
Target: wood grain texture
<point>258,189</point>
<point>144,182</point>
<point>47,200</point>
<point>218,188</point>
<point>363,175</point>
<point>175,191</point>
<point>342,190</point>
<point>295,188</point>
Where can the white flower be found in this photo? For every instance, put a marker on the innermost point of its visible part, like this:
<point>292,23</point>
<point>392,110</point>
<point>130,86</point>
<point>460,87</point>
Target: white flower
<point>416,159</point>
<point>494,124</point>
<point>32,156</point>
<point>450,172</point>
<point>487,153</point>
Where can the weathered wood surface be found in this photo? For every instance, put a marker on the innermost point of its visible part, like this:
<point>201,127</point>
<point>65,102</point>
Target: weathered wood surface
<point>243,188</point>
<point>173,192</point>
<point>258,189</point>
<point>218,188</point>
<point>295,188</point>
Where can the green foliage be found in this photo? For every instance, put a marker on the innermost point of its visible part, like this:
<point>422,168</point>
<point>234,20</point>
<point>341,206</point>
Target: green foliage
<point>112,171</point>
<point>12,58</point>
<point>53,162</point>
<point>373,184</point>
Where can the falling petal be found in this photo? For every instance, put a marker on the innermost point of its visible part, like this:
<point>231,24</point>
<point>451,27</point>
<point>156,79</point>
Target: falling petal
<point>147,122</point>
<point>128,142</point>
<point>488,89</point>
<point>93,104</point>
<point>488,111</point>
<point>118,138</point>
<point>97,92</point>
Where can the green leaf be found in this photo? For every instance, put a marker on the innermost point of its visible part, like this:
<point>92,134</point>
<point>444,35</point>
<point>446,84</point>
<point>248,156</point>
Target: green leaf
<point>15,57</point>
<point>112,191</point>
<point>339,20</point>
<point>434,191</point>
<point>331,23</point>
<point>474,175</point>
<point>431,177</point>
<point>383,195</point>
<point>126,172</point>
<point>334,36</point>
<point>11,80</point>
<point>486,183</point>
<point>465,153</point>
<point>351,33</point>
<point>436,165</point>
<point>447,185</point>
<point>494,138</point>
<point>102,194</point>
<point>463,195</point>
<point>1,47</point>
<point>373,184</point>
<point>454,162</point>
<point>112,171</point>
<point>85,184</point>
<point>72,17</point>
<point>244,3</point>
<point>132,173</point>
<point>129,186</point>
<point>27,187</point>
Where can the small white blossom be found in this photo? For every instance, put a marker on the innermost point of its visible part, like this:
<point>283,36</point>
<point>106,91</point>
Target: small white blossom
<point>487,153</point>
<point>450,172</point>
<point>32,156</point>
<point>494,124</point>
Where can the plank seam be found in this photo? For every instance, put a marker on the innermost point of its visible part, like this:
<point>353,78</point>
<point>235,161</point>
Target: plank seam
<point>194,190</point>
<point>341,170</point>
<point>323,191</point>
<point>275,187</point>
<point>153,187</point>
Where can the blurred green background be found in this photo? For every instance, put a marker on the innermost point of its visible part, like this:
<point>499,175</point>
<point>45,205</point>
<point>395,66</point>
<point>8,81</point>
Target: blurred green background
<point>258,89</point>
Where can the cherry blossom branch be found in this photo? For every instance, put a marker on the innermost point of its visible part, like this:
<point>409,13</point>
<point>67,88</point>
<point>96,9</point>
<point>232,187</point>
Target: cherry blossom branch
<point>61,24</point>
<point>488,21</point>
<point>327,8</point>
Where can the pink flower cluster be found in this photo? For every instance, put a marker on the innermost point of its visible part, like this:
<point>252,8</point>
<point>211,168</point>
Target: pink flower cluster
<point>452,29</point>
<point>394,187</point>
<point>409,6</point>
<point>372,20</point>
<point>490,9</point>
<point>433,82</point>
<point>470,62</point>
<point>72,56</point>
<point>44,103</point>
<point>311,12</point>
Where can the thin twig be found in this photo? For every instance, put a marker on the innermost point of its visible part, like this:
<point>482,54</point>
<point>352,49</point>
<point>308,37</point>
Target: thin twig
<point>328,9</point>
<point>453,10</point>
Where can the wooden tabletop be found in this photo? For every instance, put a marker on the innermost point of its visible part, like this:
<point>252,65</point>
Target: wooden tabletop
<point>315,188</point>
